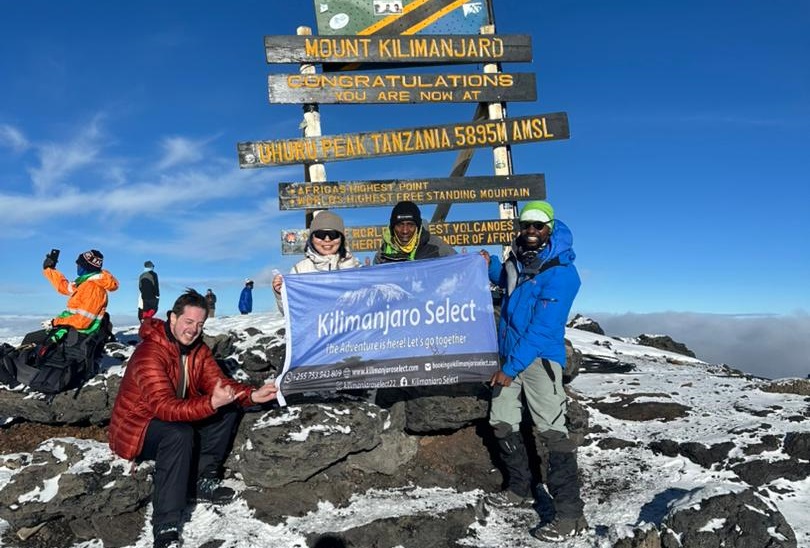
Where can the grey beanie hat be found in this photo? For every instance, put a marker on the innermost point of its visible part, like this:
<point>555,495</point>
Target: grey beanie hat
<point>326,220</point>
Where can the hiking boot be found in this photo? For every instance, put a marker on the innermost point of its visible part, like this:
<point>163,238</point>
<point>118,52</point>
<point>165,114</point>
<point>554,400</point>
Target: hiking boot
<point>167,535</point>
<point>560,529</point>
<point>508,498</point>
<point>212,490</point>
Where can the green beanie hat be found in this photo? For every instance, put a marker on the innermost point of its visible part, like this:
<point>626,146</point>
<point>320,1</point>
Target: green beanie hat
<point>538,211</point>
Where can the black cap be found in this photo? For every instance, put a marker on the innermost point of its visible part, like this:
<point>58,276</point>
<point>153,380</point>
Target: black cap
<point>405,211</point>
<point>91,260</point>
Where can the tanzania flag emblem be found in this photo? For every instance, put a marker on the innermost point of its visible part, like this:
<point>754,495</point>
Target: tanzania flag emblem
<point>366,17</point>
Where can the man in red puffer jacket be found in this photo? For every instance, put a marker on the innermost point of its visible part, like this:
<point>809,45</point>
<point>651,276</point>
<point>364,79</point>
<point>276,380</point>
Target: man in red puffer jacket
<point>172,392</point>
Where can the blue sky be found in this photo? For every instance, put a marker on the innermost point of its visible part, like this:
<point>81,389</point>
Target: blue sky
<point>685,180</point>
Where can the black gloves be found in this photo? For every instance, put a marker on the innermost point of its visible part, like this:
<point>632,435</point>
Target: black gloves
<point>51,259</point>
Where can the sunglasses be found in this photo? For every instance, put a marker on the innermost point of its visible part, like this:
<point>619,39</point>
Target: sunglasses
<point>538,225</point>
<point>326,234</point>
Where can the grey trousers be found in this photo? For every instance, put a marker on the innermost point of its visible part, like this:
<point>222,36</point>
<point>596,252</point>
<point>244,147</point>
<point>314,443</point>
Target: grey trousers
<point>545,399</point>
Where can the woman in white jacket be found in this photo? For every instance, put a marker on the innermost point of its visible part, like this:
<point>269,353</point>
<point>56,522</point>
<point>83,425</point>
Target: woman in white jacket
<point>326,250</point>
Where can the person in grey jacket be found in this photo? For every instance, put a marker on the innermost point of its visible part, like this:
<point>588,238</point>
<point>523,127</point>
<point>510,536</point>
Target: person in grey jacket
<point>325,250</point>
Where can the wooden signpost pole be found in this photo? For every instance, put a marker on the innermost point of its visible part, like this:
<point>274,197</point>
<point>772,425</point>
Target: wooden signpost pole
<point>316,172</point>
<point>502,155</point>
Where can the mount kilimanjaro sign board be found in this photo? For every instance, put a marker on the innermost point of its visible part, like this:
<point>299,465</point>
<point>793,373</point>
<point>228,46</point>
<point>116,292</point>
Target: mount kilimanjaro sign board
<point>400,88</point>
<point>337,194</point>
<point>363,239</point>
<point>354,146</point>
<point>387,49</point>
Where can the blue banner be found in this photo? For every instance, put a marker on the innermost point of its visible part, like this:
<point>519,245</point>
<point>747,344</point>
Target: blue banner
<point>416,323</point>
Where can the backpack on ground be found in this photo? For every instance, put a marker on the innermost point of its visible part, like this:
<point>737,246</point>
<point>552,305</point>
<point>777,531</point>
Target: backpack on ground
<point>64,359</point>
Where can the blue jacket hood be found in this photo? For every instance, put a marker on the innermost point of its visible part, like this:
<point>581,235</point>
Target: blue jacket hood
<point>560,244</point>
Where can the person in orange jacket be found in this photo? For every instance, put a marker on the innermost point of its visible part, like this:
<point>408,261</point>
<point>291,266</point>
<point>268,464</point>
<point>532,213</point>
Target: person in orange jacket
<point>87,302</point>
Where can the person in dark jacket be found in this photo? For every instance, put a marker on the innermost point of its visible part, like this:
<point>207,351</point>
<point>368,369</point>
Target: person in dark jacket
<point>246,298</point>
<point>406,239</point>
<point>172,393</point>
<point>149,288</point>
<point>541,282</point>
<point>211,299</point>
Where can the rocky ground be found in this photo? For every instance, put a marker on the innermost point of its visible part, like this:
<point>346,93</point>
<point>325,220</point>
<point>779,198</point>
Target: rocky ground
<point>461,460</point>
<point>24,437</point>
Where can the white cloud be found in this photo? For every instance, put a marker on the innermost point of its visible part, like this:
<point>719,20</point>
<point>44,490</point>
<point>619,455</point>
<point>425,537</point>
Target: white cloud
<point>181,151</point>
<point>149,198</point>
<point>222,236</point>
<point>59,160</point>
<point>13,138</point>
<point>768,346</point>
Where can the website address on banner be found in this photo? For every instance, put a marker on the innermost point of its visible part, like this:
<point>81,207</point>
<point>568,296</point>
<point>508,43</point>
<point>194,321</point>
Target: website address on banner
<point>356,385</point>
<point>391,383</point>
<point>373,370</point>
<point>459,363</point>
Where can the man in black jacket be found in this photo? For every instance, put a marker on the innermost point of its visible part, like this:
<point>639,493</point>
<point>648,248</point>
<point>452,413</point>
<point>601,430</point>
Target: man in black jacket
<point>149,288</point>
<point>406,239</point>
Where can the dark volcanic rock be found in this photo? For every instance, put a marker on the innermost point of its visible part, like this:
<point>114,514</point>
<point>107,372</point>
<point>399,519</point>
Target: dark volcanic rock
<point>733,520</point>
<point>766,443</point>
<point>789,386</point>
<point>93,404</point>
<point>797,445</point>
<point>426,531</point>
<point>585,324</point>
<point>282,446</point>
<point>627,409</point>
<point>439,408</point>
<point>696,452</point>
<point>760,472</point>
<point>68,479</point>
<point>665,342</point>
<point>706,456</point>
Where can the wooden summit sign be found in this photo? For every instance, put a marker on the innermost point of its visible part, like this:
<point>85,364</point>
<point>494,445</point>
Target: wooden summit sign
<point>337,194</point>
<point>398,49</point>
<point>362,239</point>
<point>401,88</point>
<point>354,146</point>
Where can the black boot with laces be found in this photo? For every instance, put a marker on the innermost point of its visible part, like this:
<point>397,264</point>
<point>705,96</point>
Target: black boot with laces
<point>167,535</point>
<point>211,490</point>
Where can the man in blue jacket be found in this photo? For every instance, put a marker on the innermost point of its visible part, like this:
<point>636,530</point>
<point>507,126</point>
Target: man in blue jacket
<point>246,298</point>
<point>540,283</point>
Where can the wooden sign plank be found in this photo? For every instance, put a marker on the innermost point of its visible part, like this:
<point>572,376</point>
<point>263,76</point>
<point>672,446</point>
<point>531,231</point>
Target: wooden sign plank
<point>341,194</point>
<point>364,239</point>
<point>355,146</point>
<point>353,88</point>
<point>451,49</point>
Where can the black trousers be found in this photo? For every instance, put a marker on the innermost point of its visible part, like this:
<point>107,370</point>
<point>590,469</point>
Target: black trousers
<point>183,451</point>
